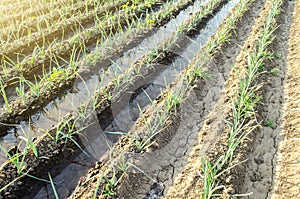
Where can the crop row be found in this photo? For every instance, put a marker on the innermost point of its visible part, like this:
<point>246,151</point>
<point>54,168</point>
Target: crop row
<point>100,102</point>
<point>100,16</point>
<point>9,8</point>
<point>158,116</point>
<point>46,56</point>
<point>39,9</point>
<point>30,25</point>
<point>173,9</point>
<point>63,76</point>
<point>243,98</point>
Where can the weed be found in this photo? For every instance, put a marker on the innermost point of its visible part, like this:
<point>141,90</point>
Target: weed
<point>274,71</point>
<point>270,123</point>
<point>197,73</point>
<point>277,55</point>
<point>122,164</point>
<point>175,98</point>
<point>110,185</point>
<point>34,87</point>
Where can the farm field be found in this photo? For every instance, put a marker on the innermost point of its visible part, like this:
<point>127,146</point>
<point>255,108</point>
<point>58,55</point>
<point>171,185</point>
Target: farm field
<point>150,99</point>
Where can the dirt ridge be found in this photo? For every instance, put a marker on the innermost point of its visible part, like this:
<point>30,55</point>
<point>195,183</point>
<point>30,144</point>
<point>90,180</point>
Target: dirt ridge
<point>287,173</point>
<point>165,168</point>
<point>190,179</point>
<point>259,169</point>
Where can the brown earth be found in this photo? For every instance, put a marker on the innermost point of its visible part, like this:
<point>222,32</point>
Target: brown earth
<point>259,169</point>
<point>202,110</point>
<point>287,170</point>
<point>189,183</point>
<point>268,161</point>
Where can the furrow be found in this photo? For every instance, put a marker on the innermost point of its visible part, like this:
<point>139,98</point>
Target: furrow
<point>63,78</point>
<point>135,180</point>
<point>286,171</point>
<point>60,36</point>
<point>214,145</point>
<point>61,18</point>
<point>56,80</point>
<point>58,146</point>
<point>13,17</point>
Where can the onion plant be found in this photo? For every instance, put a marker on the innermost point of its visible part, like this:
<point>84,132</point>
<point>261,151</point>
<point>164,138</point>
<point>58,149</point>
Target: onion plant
<point>243,115</point>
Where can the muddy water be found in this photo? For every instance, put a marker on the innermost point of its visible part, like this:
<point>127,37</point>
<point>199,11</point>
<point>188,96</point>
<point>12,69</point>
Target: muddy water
<point>89,82</point>
<point>103,137</point>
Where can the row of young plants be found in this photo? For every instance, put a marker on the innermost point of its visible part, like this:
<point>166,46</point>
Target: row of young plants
<point>243,98</point>
<point>158,55</point>
<point>82,113</point>
<point>119,82</point>
<point>38,8</point>
<point>64,131</point>
<point>139,30</point>
<point>11,4</point>
<point>46,56</point>
<point>8,7</point>
<point>17,48</point>
<point>154,120</point>
<point>59,17</point>
<point>30,101</point>
<point>57,73</point>
<point>151,61</point>
<point>40,93</point>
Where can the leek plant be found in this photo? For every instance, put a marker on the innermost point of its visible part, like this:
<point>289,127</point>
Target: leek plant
<point>243,119</point>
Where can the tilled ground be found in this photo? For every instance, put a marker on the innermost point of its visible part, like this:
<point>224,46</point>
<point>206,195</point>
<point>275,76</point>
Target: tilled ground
<point>173,169</point>
<point>286,169</point>
<point>258,176</point>
<point>203,106</point>
<point>260,170</point>
<point>264,165</point>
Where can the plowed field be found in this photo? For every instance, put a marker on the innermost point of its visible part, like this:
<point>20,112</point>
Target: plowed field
<point>150,99</point>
